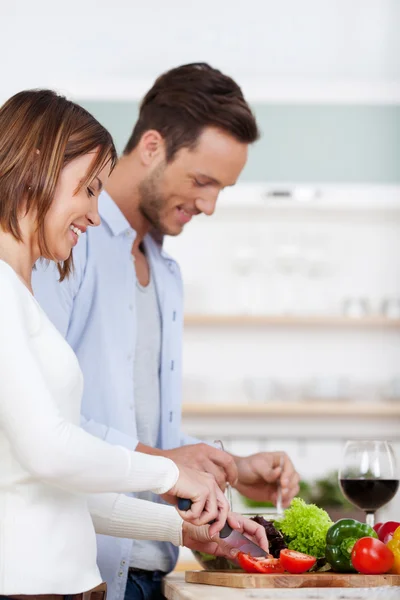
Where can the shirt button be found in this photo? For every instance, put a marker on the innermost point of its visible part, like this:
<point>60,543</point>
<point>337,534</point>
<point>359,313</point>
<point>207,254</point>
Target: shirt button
<point>120,574</point>
<point>123,562</point>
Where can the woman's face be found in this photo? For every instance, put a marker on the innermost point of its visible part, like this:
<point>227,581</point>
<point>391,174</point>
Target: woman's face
<point>71,213</point>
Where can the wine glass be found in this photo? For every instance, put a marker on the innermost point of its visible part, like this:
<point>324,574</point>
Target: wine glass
<point>368,475</point>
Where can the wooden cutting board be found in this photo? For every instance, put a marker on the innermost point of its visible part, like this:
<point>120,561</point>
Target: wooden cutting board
<point>307,580</point>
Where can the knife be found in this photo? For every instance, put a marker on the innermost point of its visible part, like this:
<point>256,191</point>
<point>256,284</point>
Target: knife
<point>234,538</point>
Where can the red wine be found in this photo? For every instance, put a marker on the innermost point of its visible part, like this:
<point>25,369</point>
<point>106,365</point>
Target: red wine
<point>369,494</point>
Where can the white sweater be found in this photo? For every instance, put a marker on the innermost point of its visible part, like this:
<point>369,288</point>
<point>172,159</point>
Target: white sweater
<point>49,465</point>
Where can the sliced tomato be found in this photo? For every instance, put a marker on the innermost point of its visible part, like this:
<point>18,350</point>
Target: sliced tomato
<point>250,564</point>
<point>296,562</point>
<point>272,565</point>
<point>371,557</point>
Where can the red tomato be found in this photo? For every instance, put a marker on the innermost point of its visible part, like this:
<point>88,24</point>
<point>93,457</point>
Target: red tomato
<point>248,563</point>
<point>272,565</point>
<point>371,557</point>
<point>296,562</point>
<point>259,565</point>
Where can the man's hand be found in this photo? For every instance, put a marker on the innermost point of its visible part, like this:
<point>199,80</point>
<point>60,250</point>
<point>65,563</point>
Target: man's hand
<point>203,458</point>
<point>208,501</point>
<point>260,473</point>
<point>254,476</point>
<point>199,538</point>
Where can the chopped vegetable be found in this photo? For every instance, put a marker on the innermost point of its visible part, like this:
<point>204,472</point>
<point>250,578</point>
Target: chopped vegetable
<point>371,557</point>
<point>276,542</point>
<point>271,565</point>
<point>296,562</point>
<point>251,564</point>
<point>394,546</point>
<point>340,540</point>
<point>304,527</point>
<point>248,563</point>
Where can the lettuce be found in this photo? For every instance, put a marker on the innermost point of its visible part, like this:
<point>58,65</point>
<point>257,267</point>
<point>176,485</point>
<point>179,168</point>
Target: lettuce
<point>304,527</point>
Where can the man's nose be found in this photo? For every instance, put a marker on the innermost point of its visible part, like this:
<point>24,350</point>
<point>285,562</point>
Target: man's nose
<point>206,205</point>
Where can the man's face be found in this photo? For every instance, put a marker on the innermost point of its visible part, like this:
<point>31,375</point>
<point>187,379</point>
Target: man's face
<point>172,193</point>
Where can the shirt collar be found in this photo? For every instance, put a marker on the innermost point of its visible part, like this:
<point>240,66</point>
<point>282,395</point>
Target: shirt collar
<point>112,216</point>
<point>118,224</point>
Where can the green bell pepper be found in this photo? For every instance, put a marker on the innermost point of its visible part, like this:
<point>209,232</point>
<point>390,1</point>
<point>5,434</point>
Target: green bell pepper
<point>340,539</point>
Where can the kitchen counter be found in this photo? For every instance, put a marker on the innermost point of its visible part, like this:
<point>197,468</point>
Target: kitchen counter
<point>175,588</point>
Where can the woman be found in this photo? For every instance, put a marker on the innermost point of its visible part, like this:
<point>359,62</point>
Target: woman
<point>54,160</point>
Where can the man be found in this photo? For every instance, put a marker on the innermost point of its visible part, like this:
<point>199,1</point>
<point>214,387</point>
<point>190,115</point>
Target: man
<point>122,311</point>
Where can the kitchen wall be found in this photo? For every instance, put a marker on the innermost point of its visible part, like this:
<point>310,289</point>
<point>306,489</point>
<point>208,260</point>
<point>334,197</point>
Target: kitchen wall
<point>302,142</point>
<point>289,266</point>
<point>295,259</point>
<point>105,49</point>
<point>284,383</point>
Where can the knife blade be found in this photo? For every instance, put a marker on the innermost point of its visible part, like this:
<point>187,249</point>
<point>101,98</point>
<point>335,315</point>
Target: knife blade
<point>232,537</point>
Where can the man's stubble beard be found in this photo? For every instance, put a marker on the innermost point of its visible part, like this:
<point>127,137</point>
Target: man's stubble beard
<point>152,201</point>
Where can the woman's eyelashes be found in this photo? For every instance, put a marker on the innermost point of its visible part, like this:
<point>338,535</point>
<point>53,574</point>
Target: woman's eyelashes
<point>90,192</point>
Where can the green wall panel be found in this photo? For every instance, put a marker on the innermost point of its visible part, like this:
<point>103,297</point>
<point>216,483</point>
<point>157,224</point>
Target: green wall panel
<point>320,143</point>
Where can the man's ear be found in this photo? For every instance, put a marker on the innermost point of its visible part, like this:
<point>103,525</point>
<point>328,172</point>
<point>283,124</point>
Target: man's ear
<point>151,147</point>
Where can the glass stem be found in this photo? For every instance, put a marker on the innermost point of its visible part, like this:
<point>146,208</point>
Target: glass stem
<point>370,518</point>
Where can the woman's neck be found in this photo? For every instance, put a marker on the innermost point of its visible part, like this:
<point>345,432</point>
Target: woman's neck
<point>19,256</point>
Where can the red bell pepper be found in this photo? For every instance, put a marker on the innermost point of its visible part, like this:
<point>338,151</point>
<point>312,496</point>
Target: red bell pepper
<point>386,530</point>
<point>377,526</point>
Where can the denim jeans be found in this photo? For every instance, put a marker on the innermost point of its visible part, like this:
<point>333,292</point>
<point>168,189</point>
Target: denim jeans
<point>144,585</point>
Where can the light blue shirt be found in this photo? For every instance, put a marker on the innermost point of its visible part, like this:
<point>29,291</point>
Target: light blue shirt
<point>95,311</point>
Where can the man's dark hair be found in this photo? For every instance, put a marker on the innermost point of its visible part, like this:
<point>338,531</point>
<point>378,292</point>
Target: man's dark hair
<point>185,100</point>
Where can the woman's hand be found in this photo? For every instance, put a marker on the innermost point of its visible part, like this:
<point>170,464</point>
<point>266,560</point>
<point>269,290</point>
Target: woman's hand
<point>199,538</point>
<point>208,501</point>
